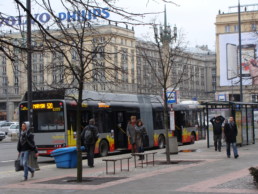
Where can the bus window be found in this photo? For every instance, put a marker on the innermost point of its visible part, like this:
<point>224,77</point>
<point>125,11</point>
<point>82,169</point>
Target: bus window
<point>158,120</point>
<point>103,120</point>
<point>120,117</point>
<point>71,122</point>
<point>49,121</point>
<point>179,119</point>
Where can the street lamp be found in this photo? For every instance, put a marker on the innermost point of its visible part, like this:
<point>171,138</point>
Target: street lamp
<point>240,52</point>
<point>165,36</point>
<point>7,100</point>
<point>29,71</point>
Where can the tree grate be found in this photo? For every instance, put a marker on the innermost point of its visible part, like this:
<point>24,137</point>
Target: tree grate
<point>85,180</point>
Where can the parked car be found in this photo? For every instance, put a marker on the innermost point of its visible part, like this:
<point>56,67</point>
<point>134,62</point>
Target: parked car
<point>14,128</point>
<point>5,126</point>
<point>2,135</point>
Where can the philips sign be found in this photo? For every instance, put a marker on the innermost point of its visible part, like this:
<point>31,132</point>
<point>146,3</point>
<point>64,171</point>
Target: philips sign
<point>61,16</point>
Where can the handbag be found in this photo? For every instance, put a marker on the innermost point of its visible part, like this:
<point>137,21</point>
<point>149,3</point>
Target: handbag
<point>17,165</point>
<point>33,161</point>
<point>145,139</point>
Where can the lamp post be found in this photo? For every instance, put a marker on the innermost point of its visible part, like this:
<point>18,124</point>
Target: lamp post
<point>240,52</point>
<point>165,38</point>
<point>7,100</point>
<point>29,74</point>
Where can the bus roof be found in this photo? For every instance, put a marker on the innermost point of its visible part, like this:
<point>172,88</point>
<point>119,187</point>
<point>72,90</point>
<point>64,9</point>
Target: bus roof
<point>96,97</point>
<point>178,107</point>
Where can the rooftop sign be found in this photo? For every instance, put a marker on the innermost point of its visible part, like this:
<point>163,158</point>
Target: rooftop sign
<point>61,16</point>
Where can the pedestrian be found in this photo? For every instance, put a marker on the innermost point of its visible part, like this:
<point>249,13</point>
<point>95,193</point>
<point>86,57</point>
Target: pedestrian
<point>140,134</point>
<point>25,147</point>
<point>217,131</point>
<point>130,130</point>
<point>89,138</point>
<point>230,130</point>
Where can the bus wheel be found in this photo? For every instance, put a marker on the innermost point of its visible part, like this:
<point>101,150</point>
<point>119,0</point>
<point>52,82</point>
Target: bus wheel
<point>193,138</point>
<point>103,148</point>
<point>161,141</point>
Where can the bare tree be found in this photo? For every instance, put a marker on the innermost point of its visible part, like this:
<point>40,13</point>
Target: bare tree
<point>166,66</point>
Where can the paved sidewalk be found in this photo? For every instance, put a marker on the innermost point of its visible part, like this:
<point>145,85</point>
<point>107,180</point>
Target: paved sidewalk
<point>201,171</point>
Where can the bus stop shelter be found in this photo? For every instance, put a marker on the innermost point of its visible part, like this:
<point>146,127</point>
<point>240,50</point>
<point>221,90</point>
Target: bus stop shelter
<point>243,114</point>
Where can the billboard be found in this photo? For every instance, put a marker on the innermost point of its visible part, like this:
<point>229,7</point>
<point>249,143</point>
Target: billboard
<point>229,59</point>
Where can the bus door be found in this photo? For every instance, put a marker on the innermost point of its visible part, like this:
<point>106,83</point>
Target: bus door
<point>121,140</point>
<point>179,124</point>
<point>201,127</point>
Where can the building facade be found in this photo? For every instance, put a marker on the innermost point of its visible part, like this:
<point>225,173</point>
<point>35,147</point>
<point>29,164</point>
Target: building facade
<point>116,47</point>
<point>193,73</point>
<point>228,50</point>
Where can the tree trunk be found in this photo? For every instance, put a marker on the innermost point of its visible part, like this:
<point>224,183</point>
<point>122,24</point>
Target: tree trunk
<point>166,125</point>
<point>78,136</point>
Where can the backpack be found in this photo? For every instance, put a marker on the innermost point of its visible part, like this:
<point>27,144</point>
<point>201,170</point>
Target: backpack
<point>88,136</point>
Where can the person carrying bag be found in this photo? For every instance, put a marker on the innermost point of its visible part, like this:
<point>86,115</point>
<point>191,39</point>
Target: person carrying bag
<point>25,147</point>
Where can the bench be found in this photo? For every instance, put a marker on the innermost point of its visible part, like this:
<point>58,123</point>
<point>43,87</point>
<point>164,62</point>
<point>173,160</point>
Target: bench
<point>114,160</point>
<point>145,154</point>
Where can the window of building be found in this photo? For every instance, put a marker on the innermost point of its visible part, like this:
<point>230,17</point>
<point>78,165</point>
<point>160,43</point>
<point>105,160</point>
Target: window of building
<point>124,56</point>
<point>4,60</point>
<point>16,91</point>
<point>103,87</point>
<point>227,28</point>
<point>4,70</point>
<point>236,28</point>
<point>41,79</point>
<point>41,57</point>
<point>35,79</point>
<point>16,68</point>
<point>116,54</point>
<point>16,81</point>
<point>74,54</point>
<point>5,81</point>
<point>253,27</point>
<point>254,98</point>
<point>54,78</point>
<point>41,67</point>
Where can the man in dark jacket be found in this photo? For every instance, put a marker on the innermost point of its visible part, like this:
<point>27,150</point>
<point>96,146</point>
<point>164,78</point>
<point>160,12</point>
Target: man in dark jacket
<point>230,131</point>
<point>217,131</point>
<point>25,145</point>
<point>89,143</point>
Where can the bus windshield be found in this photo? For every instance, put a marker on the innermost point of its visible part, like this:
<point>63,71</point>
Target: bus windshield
<point>48,121</point>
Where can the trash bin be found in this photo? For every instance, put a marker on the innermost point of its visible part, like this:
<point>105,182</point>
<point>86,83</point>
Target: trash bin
<point>173,146</point>
<point>65,157</point>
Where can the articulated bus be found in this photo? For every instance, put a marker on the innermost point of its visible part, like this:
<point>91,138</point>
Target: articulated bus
<point>54,119</point>
<point>189,122</point>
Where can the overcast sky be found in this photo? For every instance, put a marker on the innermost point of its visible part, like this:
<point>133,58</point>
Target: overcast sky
<point>195,18</point>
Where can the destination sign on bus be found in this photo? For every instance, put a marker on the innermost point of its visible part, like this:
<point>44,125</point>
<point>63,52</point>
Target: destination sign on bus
<point>43,106</point>
<point>103,105</point>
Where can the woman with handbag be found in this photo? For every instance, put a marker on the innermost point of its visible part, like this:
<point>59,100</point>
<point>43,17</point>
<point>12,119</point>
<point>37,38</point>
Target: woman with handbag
<point>25,145</point>
<point>140,133</point>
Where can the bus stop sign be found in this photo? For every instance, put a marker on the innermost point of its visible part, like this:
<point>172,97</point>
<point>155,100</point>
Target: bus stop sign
<point>171,96</point>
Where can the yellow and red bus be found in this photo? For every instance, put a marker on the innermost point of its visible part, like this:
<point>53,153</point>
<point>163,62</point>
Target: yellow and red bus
<point>189,121</point>
<point>54,119</point>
